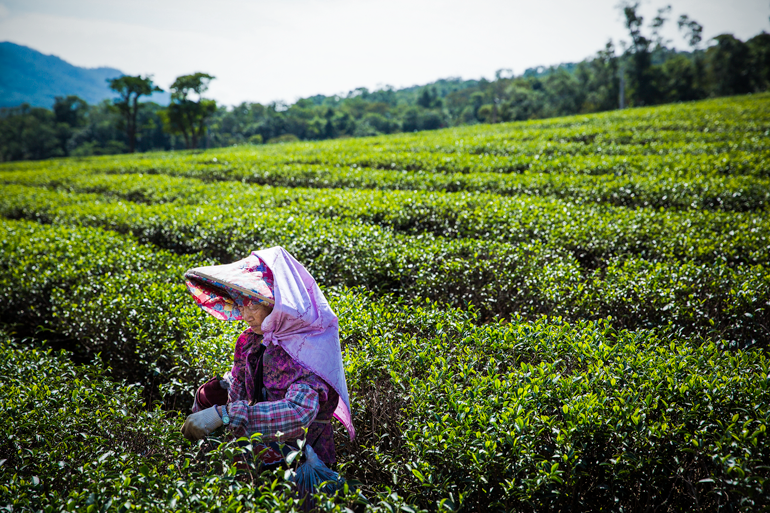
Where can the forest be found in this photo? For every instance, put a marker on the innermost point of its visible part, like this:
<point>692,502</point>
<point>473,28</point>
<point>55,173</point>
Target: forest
<point>648,68</point>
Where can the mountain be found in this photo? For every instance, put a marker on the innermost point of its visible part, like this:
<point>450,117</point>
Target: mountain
<point>28,76</point>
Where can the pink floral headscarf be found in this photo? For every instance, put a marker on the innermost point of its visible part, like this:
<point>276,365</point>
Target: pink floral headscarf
<point>220,290</point>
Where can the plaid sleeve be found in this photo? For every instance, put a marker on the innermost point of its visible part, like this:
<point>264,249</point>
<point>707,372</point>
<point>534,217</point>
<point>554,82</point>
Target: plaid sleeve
<point>288,416</point>
<point>236,391</point>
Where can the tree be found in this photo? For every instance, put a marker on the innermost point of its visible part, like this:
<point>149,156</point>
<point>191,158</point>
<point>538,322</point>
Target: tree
<point>657,24</point>
<point>103,134</point>
<point>329,131</point>
<point>759,48</point>
<point>694,34</point>
<point>476,101</point>
<point>150,128</point>
<point>599,80</point>
<point>411,119</point>
<point>429,99</point>
<point>130,88</point>
<point>564,93</point>
<point>185,115</point>
<point>28,133</point>
<point>525,101</point>
<point>70,110</point>
<point>641,56</point>
<point>679,80</point>
<point>729,60</point>
<point>693,30</point>
<point>70,115</point>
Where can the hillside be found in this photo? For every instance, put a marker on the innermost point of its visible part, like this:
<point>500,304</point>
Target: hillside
<point>569,314</point>
<point>29,76</point>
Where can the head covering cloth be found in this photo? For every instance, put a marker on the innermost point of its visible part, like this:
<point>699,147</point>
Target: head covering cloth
<point>302,322</point>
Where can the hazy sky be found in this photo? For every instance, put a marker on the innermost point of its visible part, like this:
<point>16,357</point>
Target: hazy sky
<point>282,50</point>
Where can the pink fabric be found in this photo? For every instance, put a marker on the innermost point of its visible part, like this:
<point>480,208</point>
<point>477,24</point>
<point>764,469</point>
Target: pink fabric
<point>305,326</point>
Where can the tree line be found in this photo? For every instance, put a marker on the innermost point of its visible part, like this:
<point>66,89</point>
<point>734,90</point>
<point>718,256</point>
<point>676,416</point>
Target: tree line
<point>645,71</point>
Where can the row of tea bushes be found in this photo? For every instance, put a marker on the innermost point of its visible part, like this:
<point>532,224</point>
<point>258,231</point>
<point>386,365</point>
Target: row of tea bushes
<point>711,154</point>
<point>92,292</point>
<point>458,156</point>
<point>655,187</point>
<point>529,278</point>
<point>74,439</point>
<point>98,293</point>
<point>593,233</point>
<point>333,255</point>
<point>734,129</point>
<point>547,416</point>
<point>501,416</point>
<point>452,412</point>
<point>714,126</point>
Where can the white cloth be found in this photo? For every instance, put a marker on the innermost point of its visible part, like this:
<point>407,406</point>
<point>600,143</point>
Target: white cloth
<point>200,424</point>
<point>303,323</point>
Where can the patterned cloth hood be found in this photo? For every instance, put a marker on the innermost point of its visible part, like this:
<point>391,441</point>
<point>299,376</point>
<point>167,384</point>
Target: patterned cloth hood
<point>302,321</point>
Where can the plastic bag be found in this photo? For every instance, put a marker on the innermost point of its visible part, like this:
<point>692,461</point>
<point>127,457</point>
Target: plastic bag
<point>313,473</point>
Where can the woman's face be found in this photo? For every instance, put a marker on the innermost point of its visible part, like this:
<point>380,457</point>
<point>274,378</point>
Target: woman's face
<point>254,313</point>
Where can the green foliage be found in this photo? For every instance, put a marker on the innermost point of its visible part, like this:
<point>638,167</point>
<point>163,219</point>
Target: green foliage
<point>187,116</point>
<point>547,416</point>
<point>513,415</point>
<point>76,440</point>
<point>563,265</point>
<point>70,110</point>
<point>644,250</point>
<point>76,129</point>
<point>657,75</point>
<point>29,134</point>
<point>507,349</point>
<point>102,293</point>
<point>130,88</point>
<point>710,155</point>
<point>729,58</point>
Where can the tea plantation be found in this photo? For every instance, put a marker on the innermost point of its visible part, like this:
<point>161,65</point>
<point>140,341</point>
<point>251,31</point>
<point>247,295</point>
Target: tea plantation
<point>570,314</point>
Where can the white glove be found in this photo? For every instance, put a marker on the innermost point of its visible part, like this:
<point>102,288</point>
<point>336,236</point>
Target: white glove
<point>200,424</point>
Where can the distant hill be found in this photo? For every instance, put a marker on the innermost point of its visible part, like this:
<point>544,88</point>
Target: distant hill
<point>28,76</point>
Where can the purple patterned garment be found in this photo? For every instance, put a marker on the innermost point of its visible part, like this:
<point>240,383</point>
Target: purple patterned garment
<point>296,398</point>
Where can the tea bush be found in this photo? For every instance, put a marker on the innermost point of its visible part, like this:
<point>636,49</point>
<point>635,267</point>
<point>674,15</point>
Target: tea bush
<point>532,416</point>
<point>601,231</point>
<point>73,439</point>
<point>583,326</point>
<point>95,292</point>
<point>712,154</point>
<point>579,270</point>
<point>651,187</point>
<point>451,413</point>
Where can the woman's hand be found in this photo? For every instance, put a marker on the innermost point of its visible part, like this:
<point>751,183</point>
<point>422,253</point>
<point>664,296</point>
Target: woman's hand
<point>199,425</point>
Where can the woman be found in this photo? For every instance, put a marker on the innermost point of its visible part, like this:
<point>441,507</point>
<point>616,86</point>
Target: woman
<point>287,372</point>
